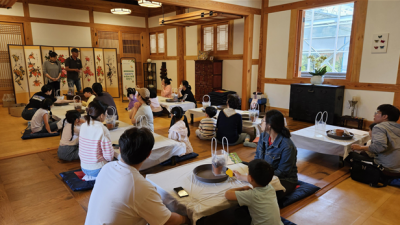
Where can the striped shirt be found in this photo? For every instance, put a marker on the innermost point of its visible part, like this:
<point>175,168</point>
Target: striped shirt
<point>95,147</point>
<point>208,127</point>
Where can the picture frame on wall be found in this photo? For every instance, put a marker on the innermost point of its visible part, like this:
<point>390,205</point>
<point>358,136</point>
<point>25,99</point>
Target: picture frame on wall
<point>19,73</point>
<point>63,54</point>
<point>128,75</point>
<point>33,61</point>
<point>111,71</point>
<point>380,43</point>
<point>88,67</point>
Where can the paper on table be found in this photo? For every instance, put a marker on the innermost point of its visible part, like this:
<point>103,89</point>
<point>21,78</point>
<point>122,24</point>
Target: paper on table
<point>358,132</point>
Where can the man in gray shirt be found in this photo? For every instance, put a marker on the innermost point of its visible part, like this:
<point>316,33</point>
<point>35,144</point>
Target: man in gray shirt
<point>385,139</point>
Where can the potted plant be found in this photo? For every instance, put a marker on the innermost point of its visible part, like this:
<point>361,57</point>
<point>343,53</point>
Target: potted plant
<point>319,71</point>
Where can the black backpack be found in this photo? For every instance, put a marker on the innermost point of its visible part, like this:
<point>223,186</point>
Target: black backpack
<point>367,172</point>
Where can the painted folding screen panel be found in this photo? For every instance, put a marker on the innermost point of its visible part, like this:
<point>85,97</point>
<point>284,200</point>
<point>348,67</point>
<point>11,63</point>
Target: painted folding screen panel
<point>63,54</point>
<point>19,73</point>
<point>111,71</point>
<point>100,76</point>
<point>89,75</point>
<point>33,60</point>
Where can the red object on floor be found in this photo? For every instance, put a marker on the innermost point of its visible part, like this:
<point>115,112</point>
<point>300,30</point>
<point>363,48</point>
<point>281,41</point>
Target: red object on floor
<point>297,186</point>
<point>80,174</point>
<point>256,139</point>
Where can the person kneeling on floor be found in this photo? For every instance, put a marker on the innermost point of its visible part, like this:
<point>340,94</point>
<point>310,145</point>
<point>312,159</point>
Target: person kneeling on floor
<point>122,195</point>
<point>208,126</point>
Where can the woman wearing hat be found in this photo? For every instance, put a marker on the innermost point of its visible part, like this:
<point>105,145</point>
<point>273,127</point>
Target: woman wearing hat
<point>142,108</point>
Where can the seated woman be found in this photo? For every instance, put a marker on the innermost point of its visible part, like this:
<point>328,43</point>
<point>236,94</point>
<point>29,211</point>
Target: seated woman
<point>154,104</point>
<point>229,123</point>
<point>166,89</point>
<point>104,97</point>
<point>186,89</point>
<point>142,108</point>
<point>36,101</point>
<point>179,128</point>
<point>276,147</point>
<point>40,121</point>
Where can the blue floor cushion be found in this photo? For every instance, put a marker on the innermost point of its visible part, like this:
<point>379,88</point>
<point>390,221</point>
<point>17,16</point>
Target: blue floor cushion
<point>28,135</point>
<point>73,180</point>
<point>176,159</point>
<point>395,182</point>
<point>286,222</point>
<point>303,190</point>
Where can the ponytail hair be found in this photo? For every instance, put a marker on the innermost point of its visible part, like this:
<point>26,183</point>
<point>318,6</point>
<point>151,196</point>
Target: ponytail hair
<point>71,117</point>
<point>167,80</point>
<point>186,84</point>
<point>177,114</point>
<point>52,54</point>
<point>276,120</point>
<point>95,109</point>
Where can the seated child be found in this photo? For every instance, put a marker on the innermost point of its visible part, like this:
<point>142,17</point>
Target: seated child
<point>69,145</point>
<point>208,126</point>
<point>260,200</point>
<point>88,93</point>
<point>40,120</point>
<point>131,92</point>
<point>179,128</point>
<point>95,147</point>
<point>154,104</point>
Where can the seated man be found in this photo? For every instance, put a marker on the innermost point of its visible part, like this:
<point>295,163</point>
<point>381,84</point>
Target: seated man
<point>385,139</point>
<point>122,195</point>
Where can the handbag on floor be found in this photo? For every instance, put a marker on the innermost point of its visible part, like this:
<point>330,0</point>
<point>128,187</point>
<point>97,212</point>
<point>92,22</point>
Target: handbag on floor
<point>367,172</point>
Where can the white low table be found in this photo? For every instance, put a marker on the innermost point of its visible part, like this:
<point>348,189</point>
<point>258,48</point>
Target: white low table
<point>198,112</point>
<point>169,105</point>
<point>60,111</point>
<point>308,139</point>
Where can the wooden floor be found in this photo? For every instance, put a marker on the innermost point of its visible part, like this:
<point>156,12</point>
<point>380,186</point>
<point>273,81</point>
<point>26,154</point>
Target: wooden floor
<point>32,192</point>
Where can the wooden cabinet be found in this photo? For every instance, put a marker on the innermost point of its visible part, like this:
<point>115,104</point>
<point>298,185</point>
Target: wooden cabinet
<point>208,77</point>
<point>306,100</point>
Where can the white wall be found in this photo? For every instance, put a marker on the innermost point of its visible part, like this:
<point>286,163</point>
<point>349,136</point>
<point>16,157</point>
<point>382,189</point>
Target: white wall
<point>191,40</point>
<point>247,3</point>
<point>171,42</point>
<point>232,75</point>
<point>61,35</point>
<point>254,76</point>
<point>154,22</point>
<point>58,13</point>
<point>120,20</point>
<point>190,74</point>
<point>256,36</point>
<point>238,36</point>
<point>277,44</point>
<point>278,95</point>
<point>382,17</point>
<point>172,71</point>
<point>16,10</point>
<point>281,2</point>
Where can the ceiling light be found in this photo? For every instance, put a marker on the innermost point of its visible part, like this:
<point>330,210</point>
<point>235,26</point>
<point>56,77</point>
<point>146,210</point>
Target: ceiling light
<point>121,11</point>
<point>149,4</point>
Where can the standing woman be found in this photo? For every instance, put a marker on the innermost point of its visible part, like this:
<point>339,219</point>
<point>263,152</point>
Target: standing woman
<point>185,88</point>
<point>166,90</point>
<point>52,71</point>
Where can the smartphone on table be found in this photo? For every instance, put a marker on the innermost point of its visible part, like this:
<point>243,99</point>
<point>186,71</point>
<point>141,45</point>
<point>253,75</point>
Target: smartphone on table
<point>181,192</point>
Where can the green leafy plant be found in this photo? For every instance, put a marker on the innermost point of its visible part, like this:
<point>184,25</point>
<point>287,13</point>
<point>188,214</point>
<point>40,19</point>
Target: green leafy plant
<point>317,62</point>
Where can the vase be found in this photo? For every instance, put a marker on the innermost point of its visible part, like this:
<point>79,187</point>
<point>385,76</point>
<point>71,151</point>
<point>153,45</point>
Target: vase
<point>317,80</point>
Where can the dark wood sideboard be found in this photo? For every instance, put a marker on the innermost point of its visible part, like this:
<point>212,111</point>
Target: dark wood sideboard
<point>208,77</point>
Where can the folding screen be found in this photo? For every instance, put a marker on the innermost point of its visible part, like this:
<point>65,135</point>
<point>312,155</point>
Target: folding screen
<point>88,67</point>
<point>63,54</point>
<point>33,60</point>
<point>110,62</point>
<point>98,54</point>
<point>18,68</point>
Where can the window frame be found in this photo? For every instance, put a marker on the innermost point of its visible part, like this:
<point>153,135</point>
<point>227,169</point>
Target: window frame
<point>297,73</point>
<point>165,44</point>
<point>215,51</point>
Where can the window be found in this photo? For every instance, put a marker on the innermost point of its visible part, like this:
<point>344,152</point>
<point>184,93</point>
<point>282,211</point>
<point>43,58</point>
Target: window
<point>215,43</point>
<point>157,43</point>
<point>326,32</point>
<point>131,44</point>
<point>108,39</point>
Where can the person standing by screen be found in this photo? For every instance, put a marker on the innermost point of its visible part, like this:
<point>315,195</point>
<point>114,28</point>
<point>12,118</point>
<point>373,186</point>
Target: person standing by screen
<point>73,66</point>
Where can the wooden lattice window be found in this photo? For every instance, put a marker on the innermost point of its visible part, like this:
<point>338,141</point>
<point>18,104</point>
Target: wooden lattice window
<point>157,43</point>
<point>108,39</point>
<point>215,38</point>
<point>131,44</point>
<point>10,33</point>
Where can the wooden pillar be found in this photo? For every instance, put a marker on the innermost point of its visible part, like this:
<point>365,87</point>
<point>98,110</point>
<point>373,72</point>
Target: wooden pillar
<point>145,54</point>
<point>247,59</point>
<point>263,45</point>
<point>180,49</point>
<point>27,25</point>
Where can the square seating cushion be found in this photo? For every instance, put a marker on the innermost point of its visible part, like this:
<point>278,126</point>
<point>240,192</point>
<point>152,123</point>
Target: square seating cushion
<point>395,182</point>
<point>176,159</point>
<point>286,222</point>
<point>74,180</point>
<point>303,190</point>
<point>27,135</point>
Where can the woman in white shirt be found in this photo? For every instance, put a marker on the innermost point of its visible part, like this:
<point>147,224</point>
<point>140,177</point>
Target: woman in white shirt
<point>69,143</point>
<point>40,120</point>
<point>154,104</point>
<point>142,108</point>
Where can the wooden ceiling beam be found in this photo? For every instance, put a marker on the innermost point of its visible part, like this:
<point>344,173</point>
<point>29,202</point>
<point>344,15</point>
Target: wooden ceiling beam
<point>213,6</point>
<point>10,3</point>
<point>159,11</point>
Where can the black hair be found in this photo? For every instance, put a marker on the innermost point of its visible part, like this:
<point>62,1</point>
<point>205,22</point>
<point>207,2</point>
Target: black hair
<point>177,114</point>
<point>136,145</point>
<point>167,80</point>
<point>46,88</point>
<point>74,50</point>
<point>372,125</point>
<point>153,93</point>
<point>52,54</point>
<point>261,172</point>
<point>95,109</point>
<point>186,84</point>
<point>391,111</point>
<point>71,116</point>
<point>211,111</point>
<point>88,89</point>
<point>46,104</point>
<point>233,101</point>
<point>98,89</point>
<point>277,122</point>
<point>131,91</point>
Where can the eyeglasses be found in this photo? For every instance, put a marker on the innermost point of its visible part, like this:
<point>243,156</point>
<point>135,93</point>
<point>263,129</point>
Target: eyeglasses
<point>377,112</point>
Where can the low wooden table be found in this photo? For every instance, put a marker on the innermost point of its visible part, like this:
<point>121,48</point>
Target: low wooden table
<point>359,120</point>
